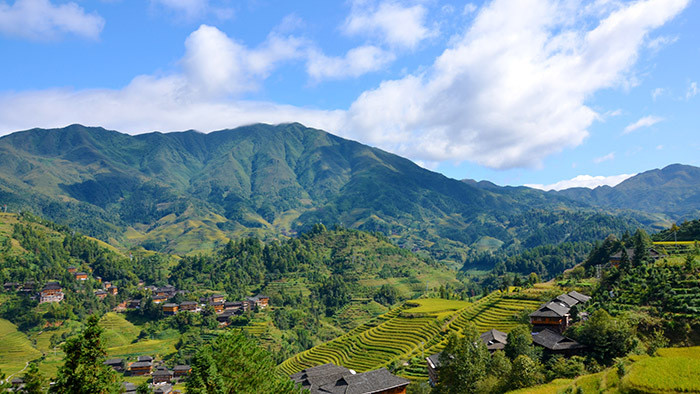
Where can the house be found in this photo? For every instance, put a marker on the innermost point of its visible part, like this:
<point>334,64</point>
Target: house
<point>260,301</point>
<point>113,290</point>
<point>11,286</point>
<point>216,298</point>
<point>555,343</point>
<point>162,375</point>
<point>133,304</point>
<point>330,378</point>
<point>142,366</point>
<point>98,279</point>
<point>163,389</point>
<point>129,388</point>
<point>189,306</point>
<point>494,340</point>
<point>218,306</point>
<point>181,370</point>
<point>224,317</point>
<point>166,291</point>
<point>234,306</point>
<point>17,383</point>
<point>72,269</point>
<point>170,309</point>
<point>555,314</point>
<point>101,294</point>
<point>52,292</point>
<point>617,257</point>
<point>80,275</point>
<point>117,364</point>
<point>159,299</point>
<point>433,366</point>
<point>28,287</point>
<point>107,285</point>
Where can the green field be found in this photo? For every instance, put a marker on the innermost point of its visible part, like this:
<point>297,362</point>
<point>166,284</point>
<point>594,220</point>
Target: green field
<point>415,329</point>
<point>16,349</point>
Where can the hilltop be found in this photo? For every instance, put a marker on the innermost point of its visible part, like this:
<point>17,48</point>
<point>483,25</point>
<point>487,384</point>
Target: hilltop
<point>184,192</point>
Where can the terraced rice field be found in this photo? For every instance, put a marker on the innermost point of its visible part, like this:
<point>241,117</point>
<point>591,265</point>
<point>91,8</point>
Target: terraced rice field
<point>16,349</point>
<point>417,328</point>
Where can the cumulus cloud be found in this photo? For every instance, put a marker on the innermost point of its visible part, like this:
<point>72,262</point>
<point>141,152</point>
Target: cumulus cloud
<point>393,23</point>
<point>646,121</point>
<point>513,88</point>
<point>356,62</point>
<point>587,181</point>
<point>43,20</point>
<point>215,64</point>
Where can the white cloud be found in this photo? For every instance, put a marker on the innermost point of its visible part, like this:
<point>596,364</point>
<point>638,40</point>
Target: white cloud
<point>657,92</point>
<point>356,62</point>
<point>692,90</point>
<point>469,8</point>
<point>215,64</point>
<point>513,88</point>
<point>588,181</point>
<point>42,20</point>
<point>660,42</point>
<point>608,157</point>
<point>395,24</point>
<point>646,121</point>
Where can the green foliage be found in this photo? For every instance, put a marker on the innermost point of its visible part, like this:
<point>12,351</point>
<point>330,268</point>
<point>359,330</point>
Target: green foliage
<point>463,362</point>
<point>520,344</point>
<point>34,381</point>
<point>606,337</point>
<point>83,370</point>
<point>525,372</point>
<point>235,364</point>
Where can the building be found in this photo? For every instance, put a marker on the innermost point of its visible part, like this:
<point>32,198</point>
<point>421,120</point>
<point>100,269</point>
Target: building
<point>216,298</point>
<point>555,315</point>
<point>617,257</point>
<point>72,269</point>
<point>107,285</point>
<point>235,306</point>
<point>52,292</point>
<point>166,291</point>
<point>163,389</point>
<point>162,375</point>
<point>555,343</point>
<point>218,306</point>
<point>113,290</point>
<point>330,378</point>
<point>133,304</point>
<point>80,275</point>
<point>180,371</point>
<point>260,301</point>
<point>11,286</point>
<point>159,299</point>
<point>129,388</point>
<point>170,309</point>
<point>433,362</point>
<point>494,340</point>
<point>142,366</point>
<point>117,364</point>
<point>192,306</point>
<point>101,294</point>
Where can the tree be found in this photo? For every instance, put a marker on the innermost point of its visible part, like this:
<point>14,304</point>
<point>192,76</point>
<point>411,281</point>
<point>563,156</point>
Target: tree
<point>205,377</point>
<point>641,242</point>
<point>607,337</point>
<point>520,343</point>
<point>463,362</point>
<point>525,373</point>
<point>33,381</point>
<point>83,371</point>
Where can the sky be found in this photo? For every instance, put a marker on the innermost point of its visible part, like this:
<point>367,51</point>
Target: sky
<point>545,93</point>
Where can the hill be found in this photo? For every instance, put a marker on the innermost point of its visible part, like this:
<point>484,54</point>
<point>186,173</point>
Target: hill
<point>673,191</point>
<point>186,191</point>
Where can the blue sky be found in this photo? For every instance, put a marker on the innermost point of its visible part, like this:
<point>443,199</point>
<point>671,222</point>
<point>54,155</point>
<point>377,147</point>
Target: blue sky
<point>529,92</point>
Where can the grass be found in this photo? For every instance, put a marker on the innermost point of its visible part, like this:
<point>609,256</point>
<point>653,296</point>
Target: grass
<point>16,349</point>
<point>117,330</point>
<point>671,373</point>
<point>434,305</point>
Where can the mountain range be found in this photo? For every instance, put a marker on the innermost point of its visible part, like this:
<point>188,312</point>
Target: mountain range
<point>188,191</point>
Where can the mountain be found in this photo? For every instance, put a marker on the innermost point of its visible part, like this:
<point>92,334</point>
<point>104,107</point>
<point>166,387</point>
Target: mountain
<point>188,191</point>
<point>673,191</point>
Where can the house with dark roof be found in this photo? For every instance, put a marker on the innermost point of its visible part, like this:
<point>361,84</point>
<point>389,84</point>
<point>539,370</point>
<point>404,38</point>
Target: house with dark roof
<point>261,301</point>
<point>494,340</point>
<point>142,366</point>
<point>129,388</point>
<point>162,375</point>
<point>617,257</point>
<point>433,362</point>
<point>189,306</point>
<point>163,389</point>
<point>181,370</point>
<point>101,294</point>
<point>555,343</point>
<point>80,275</point>
<point>555,315</point>
<point>52,292</point>
<point>170,309</point>
<point>330,378</point>
<point>117,364</point>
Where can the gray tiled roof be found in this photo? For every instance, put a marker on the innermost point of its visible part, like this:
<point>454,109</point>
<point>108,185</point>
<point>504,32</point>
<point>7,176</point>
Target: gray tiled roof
<point>551,309</point>
<point>332,379</point>
<point>580,297</point>
<point>434,360</point>
<point>567,299</point>
<point>554,341</point>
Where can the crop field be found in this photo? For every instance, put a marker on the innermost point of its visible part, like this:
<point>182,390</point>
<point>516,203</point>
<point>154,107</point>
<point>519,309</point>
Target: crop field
<point>117,330</point>
<point>16,349</point>
<point>417,328</point>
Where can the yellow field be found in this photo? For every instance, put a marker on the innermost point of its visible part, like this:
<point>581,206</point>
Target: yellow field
<point>16,349</point>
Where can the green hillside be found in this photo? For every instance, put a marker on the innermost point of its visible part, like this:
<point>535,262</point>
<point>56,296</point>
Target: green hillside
<point>416,328</point>
<point>187,191</point>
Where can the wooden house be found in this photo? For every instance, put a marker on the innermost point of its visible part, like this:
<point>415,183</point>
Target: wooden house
<point>162,375</point>
<point>170,309</point>
<point>113,290</point>
<point>217,298</point>
<point>163,389</point>
<point>159,299</point>
<point>80,276</point>
<point>260,301</point>
<point>189,306</point>
<point>181,370</point>
<point>218,306</point>
<point>140,368</point>
<point>330,378</point>
<point>72,269</point>
<point>117,364</point>
<point>101,294</point>
<point>52,292</point>
<point>494,340</point>
<point>555,343</point>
